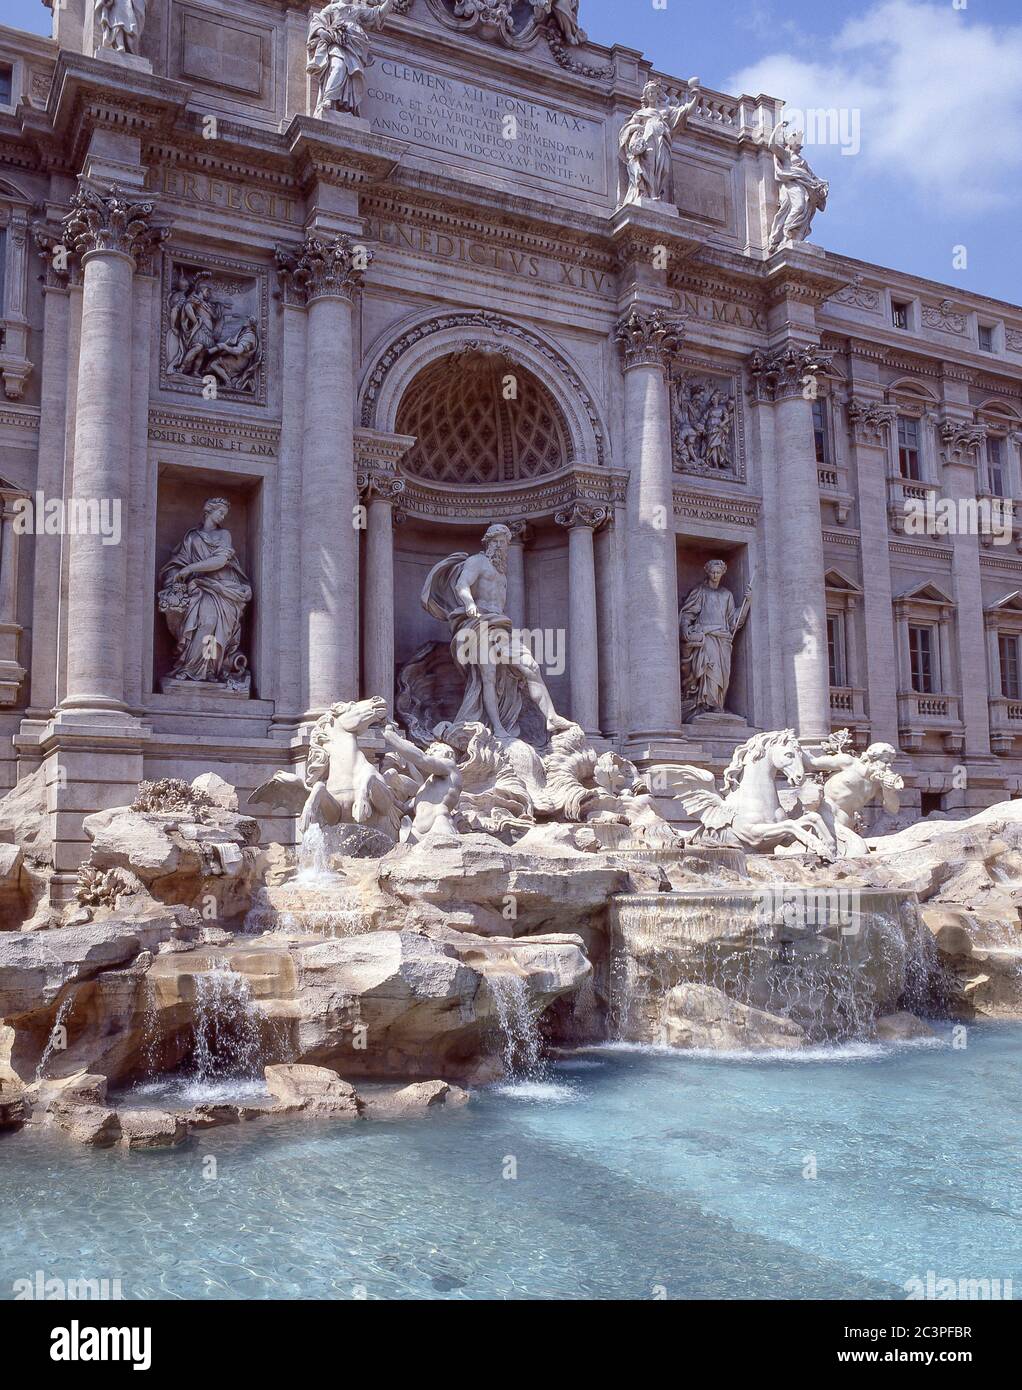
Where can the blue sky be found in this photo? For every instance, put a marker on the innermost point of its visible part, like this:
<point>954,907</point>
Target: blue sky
<point>935,86</point>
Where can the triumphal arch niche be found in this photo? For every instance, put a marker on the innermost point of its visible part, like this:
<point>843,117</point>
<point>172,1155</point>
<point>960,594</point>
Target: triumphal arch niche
<point>488,422</point>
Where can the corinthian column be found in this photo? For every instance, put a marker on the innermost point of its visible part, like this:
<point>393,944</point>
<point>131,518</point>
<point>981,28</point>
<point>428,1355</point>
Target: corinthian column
<point>648,340</point>
<point>582,520</point>
<point>325,276</point>
<point>784,379</point>
<point>379,491</point>
<point>108,231</point>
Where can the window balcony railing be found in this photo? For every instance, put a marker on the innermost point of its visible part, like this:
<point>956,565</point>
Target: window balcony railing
<point>1005,723</point>
<point>922,713</point>
<point>905,494</point>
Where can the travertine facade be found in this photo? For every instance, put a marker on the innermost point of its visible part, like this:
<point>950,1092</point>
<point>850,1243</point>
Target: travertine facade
<point>457,298</point>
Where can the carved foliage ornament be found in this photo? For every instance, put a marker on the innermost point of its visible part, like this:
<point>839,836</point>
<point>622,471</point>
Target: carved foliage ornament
<point>870,421</point>
<point>113,221</point>
<point>322,267</point>
<point>649,340</point>
<point>960,441</point>
<point>783,373</point>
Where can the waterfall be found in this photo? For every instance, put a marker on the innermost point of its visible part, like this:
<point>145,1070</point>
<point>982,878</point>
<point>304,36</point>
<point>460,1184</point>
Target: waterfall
<point>228,1028</point>
<point>314,860</point>
<point>55,1031</point>
<point>518,1021</point>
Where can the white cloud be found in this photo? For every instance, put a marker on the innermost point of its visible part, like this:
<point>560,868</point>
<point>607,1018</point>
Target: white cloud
<point>940,94</point>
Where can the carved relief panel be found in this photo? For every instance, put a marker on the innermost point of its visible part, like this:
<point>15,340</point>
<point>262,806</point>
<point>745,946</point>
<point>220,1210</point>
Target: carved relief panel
<point>707,429</point>
<point>214,328</point>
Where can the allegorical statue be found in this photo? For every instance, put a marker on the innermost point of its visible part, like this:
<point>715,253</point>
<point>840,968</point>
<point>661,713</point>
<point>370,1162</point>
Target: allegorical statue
<point>469,593</point>
<point>339,52</point>
<point>645,143</point>
<point>709,622</point>
<point>564,15</point>
<point>203,596</point>
<point>121,23</point>
<point>803,195</point>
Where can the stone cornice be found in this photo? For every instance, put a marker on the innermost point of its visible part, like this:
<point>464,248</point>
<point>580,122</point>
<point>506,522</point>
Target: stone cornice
<point>516,502</point>
<point>716,506</point>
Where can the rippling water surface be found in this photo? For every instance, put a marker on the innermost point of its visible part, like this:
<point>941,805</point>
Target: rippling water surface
<point>623,1171</point>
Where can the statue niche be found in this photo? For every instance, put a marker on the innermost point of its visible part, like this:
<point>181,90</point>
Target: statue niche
<point>203,595</point>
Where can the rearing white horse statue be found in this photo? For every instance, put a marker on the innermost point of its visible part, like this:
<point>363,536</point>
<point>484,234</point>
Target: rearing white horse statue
<point>749,814</point>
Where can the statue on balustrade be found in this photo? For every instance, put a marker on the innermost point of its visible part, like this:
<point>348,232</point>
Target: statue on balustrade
<point>709,622</point>
<point>121,23</point>
<point>469,593</point>
<point>803,195</point>
<point>339,52</point>
<point>203,596</point>
<point>646,139</point>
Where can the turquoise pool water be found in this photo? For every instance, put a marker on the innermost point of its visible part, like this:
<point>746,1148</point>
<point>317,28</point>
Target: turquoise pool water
<point>637,1174</point>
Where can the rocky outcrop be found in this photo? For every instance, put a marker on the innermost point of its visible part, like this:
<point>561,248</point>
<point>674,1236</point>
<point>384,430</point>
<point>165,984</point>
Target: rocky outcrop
<point>296,1086</point>
<point>902,1027</point>
<point>700,1016</point>
<point>415,1099</point>
<point>26,850</point>
<point>151,1129</point>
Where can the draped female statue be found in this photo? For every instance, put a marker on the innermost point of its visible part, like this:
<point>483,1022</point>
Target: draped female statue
<point>203,596</point>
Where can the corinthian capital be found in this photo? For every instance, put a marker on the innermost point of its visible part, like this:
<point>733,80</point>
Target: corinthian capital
<point>111,221</point>
<point>783,373</point>
<point>582,514</point>
<point>869,421</point>
<point>649,340</point>
<point>323,267</point>
<point>960,441</point>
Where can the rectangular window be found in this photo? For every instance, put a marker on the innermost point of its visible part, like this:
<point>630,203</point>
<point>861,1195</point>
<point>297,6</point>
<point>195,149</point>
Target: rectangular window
<point>995,466</point>
<point>6,83</point>
<point>986,338</point>
<point>920,646</point>
<point>820,431</point>
<point>836,650</point>
<point>1008,648</point>
<point>899,313</point>
<point>908,447</point>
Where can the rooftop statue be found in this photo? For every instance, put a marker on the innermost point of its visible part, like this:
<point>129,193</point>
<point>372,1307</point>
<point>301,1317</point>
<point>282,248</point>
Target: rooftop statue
<point>749,815</point>
<point>469,593</point>
<point>645,143</point>
<point>803,195</point>
<point>121,23</point>
<point>339,52</point>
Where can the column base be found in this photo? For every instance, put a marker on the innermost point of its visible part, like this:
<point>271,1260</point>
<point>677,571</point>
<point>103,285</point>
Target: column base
<point>661,746</point>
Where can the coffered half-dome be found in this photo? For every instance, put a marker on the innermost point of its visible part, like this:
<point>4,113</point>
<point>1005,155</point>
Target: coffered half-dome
<point>480,418</point>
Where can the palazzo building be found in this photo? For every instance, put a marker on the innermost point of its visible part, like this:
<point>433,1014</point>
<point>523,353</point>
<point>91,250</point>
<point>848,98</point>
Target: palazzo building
<point>448,300</point>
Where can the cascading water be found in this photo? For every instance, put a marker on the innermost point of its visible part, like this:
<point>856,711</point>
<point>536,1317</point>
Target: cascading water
<point>56,1039</point>
<point>519,1026</point>
<point>317,899</point>
<point>831,974</point>
<point>228,1028</point>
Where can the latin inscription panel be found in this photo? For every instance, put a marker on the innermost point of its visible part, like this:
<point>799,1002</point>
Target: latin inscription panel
<point>455,119</point>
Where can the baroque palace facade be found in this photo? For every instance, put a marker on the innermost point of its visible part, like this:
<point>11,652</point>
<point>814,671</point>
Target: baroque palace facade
<point>306,313</point>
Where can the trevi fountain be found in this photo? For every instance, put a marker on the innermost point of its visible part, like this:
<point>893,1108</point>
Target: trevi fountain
<point>510,894</point>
